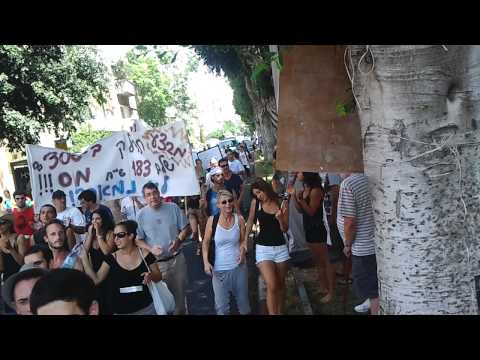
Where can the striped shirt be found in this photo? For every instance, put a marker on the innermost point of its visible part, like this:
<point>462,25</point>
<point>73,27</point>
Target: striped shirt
<point>355,201</point>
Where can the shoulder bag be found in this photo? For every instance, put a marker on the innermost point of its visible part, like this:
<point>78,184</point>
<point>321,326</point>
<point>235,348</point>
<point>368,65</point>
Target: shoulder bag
<point>163,299</point>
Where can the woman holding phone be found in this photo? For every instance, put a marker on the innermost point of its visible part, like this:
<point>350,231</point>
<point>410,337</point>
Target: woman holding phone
<point>271,251</point>
<point>309,202</point>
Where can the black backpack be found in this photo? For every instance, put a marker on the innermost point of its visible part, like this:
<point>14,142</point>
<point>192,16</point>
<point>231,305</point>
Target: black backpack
<point>211,250</point>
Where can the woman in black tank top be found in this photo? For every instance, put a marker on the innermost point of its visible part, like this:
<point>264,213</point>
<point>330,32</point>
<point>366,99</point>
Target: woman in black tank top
<point>270,247</point>
<point>127,273</point>
<point>310,203</point>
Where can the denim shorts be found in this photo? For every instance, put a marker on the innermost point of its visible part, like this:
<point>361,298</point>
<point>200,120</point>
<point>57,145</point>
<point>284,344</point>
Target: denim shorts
<point>276,254</point>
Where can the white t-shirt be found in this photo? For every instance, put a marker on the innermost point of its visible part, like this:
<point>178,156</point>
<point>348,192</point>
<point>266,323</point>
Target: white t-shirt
<point>244,159</point>
<point>236,166</point>
<point>129,208</point>
<point>76,218</point>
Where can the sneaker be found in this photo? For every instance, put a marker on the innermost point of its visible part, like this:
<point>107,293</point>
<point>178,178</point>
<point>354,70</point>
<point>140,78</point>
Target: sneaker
<point>363,307</point>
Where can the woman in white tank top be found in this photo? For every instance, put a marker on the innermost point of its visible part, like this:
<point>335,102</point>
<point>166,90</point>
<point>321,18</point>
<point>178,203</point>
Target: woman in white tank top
<point>229,271</point>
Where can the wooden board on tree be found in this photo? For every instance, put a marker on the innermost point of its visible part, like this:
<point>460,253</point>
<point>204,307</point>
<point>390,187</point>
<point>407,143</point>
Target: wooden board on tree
<point>318,127</point>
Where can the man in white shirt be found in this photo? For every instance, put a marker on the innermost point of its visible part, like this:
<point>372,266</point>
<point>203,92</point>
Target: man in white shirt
<point>71,217</point>
<point>208,177</point>
<point>235,165</point>
<point>130,206</point>
<point>243,155</point>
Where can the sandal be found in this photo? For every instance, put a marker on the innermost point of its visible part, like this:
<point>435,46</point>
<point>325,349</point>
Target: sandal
<point>326,299</point>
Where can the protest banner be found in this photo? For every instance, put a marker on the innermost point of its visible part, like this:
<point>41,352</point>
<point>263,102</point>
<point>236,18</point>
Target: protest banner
<point>117,166</point>
<point>206,155</point>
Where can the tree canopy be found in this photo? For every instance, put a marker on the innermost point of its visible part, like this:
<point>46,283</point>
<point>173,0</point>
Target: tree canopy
<point>161,85</point>
<point>86,136</point>
<point>248,69</point>
<point>229,129</point>
<point>241,64</point>
<point>47,88</point>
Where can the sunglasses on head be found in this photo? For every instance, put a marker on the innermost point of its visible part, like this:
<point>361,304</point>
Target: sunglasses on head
<point>224,202</point>
<point>120,235</point>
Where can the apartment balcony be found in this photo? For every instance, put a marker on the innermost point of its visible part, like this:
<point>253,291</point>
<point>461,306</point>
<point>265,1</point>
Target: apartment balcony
<point>125,87</point>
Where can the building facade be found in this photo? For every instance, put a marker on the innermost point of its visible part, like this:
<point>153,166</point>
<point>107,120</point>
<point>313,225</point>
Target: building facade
<point>115,115</point>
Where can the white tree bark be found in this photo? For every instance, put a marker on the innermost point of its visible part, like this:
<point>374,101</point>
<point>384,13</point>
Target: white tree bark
<point>266,119</point>
<point>420,114</point>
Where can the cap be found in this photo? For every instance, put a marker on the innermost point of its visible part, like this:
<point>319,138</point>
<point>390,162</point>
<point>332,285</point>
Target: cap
<point>334,179</point>
<point>58,194</point>
<point>27,271</point>
<point>216,171</point>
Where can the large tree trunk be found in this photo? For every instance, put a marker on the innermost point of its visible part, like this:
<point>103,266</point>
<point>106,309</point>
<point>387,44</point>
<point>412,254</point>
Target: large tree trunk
<point>420,117</point>
<point>266,119</point>
<point>264,107</point>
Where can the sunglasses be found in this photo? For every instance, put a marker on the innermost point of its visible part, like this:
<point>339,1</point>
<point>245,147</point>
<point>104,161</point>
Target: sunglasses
<point>38,262</point>
<point>20,198</point>
<point>224,202</point>
<point>120,235</point>
<point>223,166</point>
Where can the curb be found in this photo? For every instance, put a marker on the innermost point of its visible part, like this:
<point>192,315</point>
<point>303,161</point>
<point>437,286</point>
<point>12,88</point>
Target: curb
<point>302,292</point>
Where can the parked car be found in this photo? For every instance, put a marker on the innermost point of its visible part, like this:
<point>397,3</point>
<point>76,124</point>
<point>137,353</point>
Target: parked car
<point>229,143</point>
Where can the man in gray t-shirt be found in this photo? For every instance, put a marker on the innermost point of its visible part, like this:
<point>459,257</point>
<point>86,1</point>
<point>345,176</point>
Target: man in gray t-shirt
<point>162,227</point>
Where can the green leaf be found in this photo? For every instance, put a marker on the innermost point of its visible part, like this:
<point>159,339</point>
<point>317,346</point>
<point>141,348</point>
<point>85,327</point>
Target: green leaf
<point>47,88</point>
<point>259,70</point>
<point>341,109</point>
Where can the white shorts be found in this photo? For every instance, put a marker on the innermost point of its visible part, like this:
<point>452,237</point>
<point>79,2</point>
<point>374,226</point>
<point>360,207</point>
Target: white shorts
<point>276,254</point>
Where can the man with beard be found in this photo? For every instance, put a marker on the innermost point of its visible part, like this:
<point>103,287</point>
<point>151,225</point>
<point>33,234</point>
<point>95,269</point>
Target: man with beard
<point>55,237</point>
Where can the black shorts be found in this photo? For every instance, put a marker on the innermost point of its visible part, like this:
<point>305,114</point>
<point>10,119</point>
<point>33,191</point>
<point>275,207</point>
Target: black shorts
<point>364,274</point>
<point>316,234</point>
<point>335,251</point>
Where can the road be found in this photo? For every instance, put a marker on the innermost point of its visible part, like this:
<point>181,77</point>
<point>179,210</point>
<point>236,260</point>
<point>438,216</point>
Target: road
<point>200,300</point>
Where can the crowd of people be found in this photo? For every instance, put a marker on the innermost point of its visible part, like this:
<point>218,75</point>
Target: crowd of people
<point>70,260</point>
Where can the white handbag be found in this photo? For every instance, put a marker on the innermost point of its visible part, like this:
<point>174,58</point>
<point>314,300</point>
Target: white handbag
<point>163,299</point>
